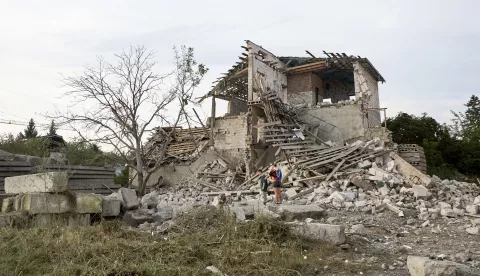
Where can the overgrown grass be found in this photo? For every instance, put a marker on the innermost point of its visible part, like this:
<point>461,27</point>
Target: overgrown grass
<point>202,238</point>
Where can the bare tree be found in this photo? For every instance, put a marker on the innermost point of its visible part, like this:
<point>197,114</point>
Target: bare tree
<point>118,102</point>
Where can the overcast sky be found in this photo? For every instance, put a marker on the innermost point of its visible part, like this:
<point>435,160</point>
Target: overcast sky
<point>426,50</point>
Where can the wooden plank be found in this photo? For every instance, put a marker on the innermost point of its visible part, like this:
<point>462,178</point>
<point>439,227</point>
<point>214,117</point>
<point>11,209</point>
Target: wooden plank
<point>78,168</point>
<point>335,169</point>
<point>339,156</point>
<point>306,179</point>
<point>16,169</point>
<point>4,163</point>
<point>293,143</point>
<point>267,124</point>
<point>283,140</point>
<point>279,135</point>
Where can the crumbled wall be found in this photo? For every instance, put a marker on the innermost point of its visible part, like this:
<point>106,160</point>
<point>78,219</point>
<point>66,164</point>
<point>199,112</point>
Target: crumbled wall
<point>366,89</point>
<point>336,122</point>
<point>170,173</point>
<point>275,80</point>
<point>236,107</point>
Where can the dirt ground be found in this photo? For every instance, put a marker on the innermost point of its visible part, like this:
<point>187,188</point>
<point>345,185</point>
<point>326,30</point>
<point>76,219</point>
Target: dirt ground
<point>388,240</point>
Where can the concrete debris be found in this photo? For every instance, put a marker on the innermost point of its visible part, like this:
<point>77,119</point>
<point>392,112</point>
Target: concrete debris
<point>317,231</point>
<point>215,271</point>
<point>136,217</point>
<point>473,230</point>
<point>298,212</point>
<point>423,266</point>
<point>110,207</point>
<point>129,197</point>
<point>50,182</point>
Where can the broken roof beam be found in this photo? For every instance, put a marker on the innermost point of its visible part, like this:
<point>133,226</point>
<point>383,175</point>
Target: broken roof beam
<point>315,66</point>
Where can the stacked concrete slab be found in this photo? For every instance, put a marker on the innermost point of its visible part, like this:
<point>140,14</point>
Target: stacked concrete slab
<point>10,168</point>
<point>414,155</point>
<point>44,198</point>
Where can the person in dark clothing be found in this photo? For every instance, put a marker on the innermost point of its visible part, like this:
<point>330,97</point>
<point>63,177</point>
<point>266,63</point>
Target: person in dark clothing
<point>263,183</point>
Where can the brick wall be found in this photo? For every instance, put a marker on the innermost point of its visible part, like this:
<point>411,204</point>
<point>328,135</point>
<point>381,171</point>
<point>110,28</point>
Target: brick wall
<point>236,107</point>
<point>230,132</point>
<point>339,91</point>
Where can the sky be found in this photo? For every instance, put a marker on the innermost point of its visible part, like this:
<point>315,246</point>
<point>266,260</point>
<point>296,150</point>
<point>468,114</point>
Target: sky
<point>426,50</point>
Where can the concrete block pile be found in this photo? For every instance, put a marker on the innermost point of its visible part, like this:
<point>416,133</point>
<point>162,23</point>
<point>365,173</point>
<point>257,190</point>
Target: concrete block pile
<point>44,199</point>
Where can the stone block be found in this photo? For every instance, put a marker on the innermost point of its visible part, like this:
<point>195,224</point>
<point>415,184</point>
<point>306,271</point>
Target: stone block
<point>471,209</point>
<point>130,199</point>
<point>291,192</point>
<point>110,207</point>
<point>420,191</point>
<point>53,220</point>
<point>444,205</point>
<point>317,231</point>
<point>7,204</point>
<point>298,212</point>
<point>448,213</point>
<point>88,204</point>
<point>423,266</point>
<point>473,230</point>
<point>50,182</point>
<point>44,203</point>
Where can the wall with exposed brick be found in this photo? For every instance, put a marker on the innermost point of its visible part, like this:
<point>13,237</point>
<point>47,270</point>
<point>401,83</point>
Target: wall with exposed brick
<point>366,88</point>
<point>230,132</point>
<point>236,107</point>
<point>338,91</point>
<point>336,122</point>
<point>257,66</point>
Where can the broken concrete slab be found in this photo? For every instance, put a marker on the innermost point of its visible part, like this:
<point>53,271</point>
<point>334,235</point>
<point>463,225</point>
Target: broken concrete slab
<point>420,191</point>
<point>298,212</point>
<point>136,217</point>
<point>88,203</point>
<point>362,183</point>
<point>409,172</point>
<point>50,182</point>
<point>110,207</point>
<point>473,230</point>
<point>45,203</point>
<point>317,231</point>
<point>423,266</point>
<point>291,192</point>
<point>130,199</point>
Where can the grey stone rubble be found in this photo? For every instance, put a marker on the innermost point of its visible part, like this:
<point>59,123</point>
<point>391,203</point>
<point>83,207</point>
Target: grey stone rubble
<point>423,266</point>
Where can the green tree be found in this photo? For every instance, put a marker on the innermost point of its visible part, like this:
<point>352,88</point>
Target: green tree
<point>31,131</point>
<point>443,152</point>
<point>53,129</point>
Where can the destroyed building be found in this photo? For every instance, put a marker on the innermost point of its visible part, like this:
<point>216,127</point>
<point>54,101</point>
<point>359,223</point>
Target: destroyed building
<point>284,104</point>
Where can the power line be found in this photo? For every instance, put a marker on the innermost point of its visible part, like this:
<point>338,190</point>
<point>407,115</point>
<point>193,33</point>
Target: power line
<point>18,123</point>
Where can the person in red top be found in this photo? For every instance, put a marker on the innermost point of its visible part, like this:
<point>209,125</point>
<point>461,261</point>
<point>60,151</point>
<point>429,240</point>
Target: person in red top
<point>274,180</point>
